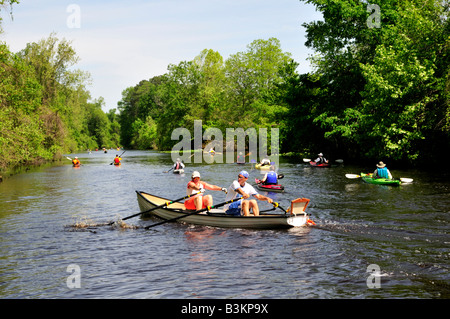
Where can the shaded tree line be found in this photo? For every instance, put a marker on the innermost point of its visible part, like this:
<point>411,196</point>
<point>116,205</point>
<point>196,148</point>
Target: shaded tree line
<point>45,108</point>
<point>378,90</point>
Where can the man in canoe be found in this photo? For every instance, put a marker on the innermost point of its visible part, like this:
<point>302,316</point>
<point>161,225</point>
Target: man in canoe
<point>321,159</point>
<point>243,206</point>
<point>117,160</point>
<point>382,171</point>
<point>76,162</point>
<point>270,178</point>
<point>196,186</point>
<point>265,162</point>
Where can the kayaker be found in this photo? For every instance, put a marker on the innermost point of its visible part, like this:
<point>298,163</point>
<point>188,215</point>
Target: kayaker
<point>117,160</point>
<point>321,159</point>
<point>196,186</point>
<point>265,162</point>
<point>243,206</point>
<point>270,178</point>
<point>240,158</point>
<point>76,162</point>
<point>382,171</point>
<point>178,165</point>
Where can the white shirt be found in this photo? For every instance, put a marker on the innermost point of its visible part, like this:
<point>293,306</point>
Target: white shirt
<point>232,194</point>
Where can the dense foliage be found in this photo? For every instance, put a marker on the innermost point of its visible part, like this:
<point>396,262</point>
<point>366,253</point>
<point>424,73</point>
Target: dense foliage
<point>379,90</point>
<point>237,93</point>
<point>44,105</point>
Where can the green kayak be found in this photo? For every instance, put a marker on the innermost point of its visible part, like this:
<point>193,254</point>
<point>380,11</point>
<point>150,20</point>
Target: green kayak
<point>379,181</point>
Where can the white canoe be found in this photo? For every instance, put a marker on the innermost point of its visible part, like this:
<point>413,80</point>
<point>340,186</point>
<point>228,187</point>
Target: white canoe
<point>217,217</point>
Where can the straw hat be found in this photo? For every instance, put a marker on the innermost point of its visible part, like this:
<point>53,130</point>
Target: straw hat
<point>381,164</point>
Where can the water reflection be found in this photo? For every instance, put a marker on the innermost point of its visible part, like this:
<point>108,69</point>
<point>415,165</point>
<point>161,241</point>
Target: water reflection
<point>404,230</point>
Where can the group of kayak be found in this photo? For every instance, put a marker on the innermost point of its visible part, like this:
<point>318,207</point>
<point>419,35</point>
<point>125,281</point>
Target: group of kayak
<point>117,160</point>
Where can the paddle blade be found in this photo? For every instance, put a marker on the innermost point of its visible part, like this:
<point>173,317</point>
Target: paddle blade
<point>352,176</point>
<point>306,160</point>
<point>406,180</point>
<point>339,161</point>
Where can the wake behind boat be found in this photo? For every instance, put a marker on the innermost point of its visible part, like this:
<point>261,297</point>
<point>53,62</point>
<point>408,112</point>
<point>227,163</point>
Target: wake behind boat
<point>217,217</point>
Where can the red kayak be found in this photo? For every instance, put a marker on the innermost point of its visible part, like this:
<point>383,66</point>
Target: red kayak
<point>269,188</point>
<point>314,164</point>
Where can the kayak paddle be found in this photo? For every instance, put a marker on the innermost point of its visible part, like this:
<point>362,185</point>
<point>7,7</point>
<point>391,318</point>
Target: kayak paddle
<point>402,179</point>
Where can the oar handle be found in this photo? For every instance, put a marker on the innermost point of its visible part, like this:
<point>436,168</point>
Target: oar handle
<point>277,205</point>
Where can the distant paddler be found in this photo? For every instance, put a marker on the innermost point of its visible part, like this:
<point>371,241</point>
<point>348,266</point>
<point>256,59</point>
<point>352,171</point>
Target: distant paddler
<point>117,160</point>
<point>76,162</point>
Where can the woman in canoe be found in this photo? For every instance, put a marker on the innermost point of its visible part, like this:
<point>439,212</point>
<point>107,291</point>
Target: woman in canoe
<point>382,171</point>
<point>196,186</point>
<point>178,165</point>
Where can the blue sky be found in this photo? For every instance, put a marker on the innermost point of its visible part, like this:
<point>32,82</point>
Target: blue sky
<point>123,42</point>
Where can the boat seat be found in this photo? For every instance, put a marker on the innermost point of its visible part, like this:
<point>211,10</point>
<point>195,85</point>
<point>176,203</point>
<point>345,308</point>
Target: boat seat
<point>298,205</point>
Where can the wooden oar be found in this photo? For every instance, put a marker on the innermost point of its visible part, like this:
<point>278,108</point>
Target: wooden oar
<point>194,213</point>
<point>402,179</point>
<point>168,170</point>
<point>156,207</point>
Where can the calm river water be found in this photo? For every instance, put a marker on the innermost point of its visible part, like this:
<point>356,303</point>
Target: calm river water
<point>403,231</point>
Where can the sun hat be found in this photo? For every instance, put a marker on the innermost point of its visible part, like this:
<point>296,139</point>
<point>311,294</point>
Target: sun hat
<point>381,164</point>
<point>244,173</point>
<point>195,174</point>
<point>320,154</point>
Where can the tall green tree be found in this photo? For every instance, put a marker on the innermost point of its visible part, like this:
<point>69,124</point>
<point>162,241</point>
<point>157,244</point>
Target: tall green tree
<point>383,88</point>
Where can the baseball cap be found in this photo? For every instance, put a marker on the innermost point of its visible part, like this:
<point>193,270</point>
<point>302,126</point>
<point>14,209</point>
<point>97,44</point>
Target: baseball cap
<point>244,173</point>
